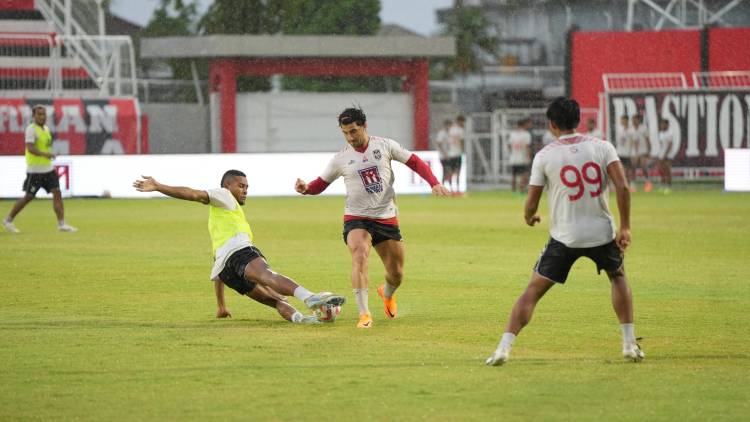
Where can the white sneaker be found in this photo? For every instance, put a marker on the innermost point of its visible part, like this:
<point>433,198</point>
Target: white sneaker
<point>67,228</point>
<point>10,227</point>
<point>298,318</point>
<point>498,357</point>
<point>324,298</point>
<point>633,352</point>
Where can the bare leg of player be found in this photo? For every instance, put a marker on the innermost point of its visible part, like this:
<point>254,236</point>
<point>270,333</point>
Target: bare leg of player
<point>259,272</point>
<point>524,307</point>
<point>392,254</point>
<point>18,206</point>
<point>622,302</point>
<point>520,317</point>
<point>57,205</point>
<point>359,243</point>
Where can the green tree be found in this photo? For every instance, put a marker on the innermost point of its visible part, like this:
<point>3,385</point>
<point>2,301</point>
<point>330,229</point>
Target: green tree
<point>243,17</point>
<point>331,17</point>
<point>172,18</point>
<point>474,38</point>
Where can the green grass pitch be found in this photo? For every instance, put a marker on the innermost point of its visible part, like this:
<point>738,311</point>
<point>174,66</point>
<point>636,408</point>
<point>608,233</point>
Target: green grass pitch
<point>116,322</point>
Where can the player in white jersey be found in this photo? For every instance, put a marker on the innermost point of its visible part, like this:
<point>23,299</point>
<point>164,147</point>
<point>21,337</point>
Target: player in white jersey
<point>624,141</point>
<point>666,140</point>
<point>442,143</point>
<point>519,153</point>
<point>370,214</point>
<point>238,264</point>
<point>576,170</point>
<point>456,136</point>
<point>642,153</point>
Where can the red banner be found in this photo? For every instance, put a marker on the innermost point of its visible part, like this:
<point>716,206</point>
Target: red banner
<point>702,122</point>
<point>78,126</point>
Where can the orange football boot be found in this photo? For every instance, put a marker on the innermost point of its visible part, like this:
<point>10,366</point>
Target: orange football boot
<point>365,321</point>
<point>389,305</point>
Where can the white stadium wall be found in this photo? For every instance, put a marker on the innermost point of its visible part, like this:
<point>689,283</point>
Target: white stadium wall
<point>306,122</point>
<point>268,174</point>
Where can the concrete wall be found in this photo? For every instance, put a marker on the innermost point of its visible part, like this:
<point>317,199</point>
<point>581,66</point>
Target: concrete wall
<point>306,122</point>
<point>286,122</point>
<point>178,128</point>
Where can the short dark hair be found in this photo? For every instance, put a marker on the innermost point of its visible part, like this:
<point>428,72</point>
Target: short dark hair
<point>564,113</point>
<point>524,121</point>
<point>352,115</point>
<point>460,118</point>
<point>38,107</point>
<point>230,174</point>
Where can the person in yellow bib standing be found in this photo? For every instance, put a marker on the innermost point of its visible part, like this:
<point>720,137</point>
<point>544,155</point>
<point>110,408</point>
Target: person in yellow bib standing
<point>39,172</point>
<point>237,262</point>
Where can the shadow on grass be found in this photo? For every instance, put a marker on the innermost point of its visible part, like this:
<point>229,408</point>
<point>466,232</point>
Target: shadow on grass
<point>98,324</point>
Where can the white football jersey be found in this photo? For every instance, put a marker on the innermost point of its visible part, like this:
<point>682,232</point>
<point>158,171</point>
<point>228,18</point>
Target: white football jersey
<point>640,140</point>
<point>442,142</point>
<point>665,137</point>
<point>519,141</point>
<point>456,136</point>
<point>623,138</point>
<point>368,177</point>
<point>574,168</point>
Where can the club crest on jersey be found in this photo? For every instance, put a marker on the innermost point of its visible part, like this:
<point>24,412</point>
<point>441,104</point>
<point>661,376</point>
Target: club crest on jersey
<point>370,177</point>
<point>377,154</point>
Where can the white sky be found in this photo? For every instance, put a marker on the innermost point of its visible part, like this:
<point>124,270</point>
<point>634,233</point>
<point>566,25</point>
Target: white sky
<point>416,15</point>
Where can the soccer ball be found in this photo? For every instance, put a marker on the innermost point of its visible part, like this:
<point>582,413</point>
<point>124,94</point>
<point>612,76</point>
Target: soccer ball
<point>327,313</point>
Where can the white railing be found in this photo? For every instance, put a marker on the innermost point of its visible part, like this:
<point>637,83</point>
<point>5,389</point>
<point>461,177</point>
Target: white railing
<point>635,81</point>
<point>29,62</point>
<point>46,63</point>
<point>109,60</point>
<point>728,79</point>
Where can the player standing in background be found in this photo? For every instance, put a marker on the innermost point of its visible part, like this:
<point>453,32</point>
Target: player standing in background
<point>237,262</point>
<point>40,173</point>
<point>666,139</point>
<point>642,154</point>
<point>624,138</point>
<point>456,135</point>
<point>575,169</point>
<point>442,141</point>
<point>519,153</point>
<point>370,214</point>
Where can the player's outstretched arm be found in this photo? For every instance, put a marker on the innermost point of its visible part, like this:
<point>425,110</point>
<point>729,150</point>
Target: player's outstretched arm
<point>222,311</point>
<point>423,170</point>
<point>149,184</point>
<point>617,175</point>
<point>532,205</point>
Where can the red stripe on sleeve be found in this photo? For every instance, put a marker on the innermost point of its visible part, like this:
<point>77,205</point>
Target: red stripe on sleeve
<point>316,186</point>
<point>422,169</point>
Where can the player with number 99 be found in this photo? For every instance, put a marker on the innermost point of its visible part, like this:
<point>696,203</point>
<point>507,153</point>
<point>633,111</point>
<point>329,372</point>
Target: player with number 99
<point>580,222</point>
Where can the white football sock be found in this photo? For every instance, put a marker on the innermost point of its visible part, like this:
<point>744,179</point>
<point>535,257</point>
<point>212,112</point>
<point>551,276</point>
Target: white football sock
<point>361,296</point>
<point>507,340</point>
<point>302,293</point>
<point>389,290</point>
<point>628,333</point>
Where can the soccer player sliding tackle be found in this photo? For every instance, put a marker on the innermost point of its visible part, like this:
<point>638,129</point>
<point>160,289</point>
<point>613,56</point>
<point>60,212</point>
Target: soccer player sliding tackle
<point>237,262</point>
